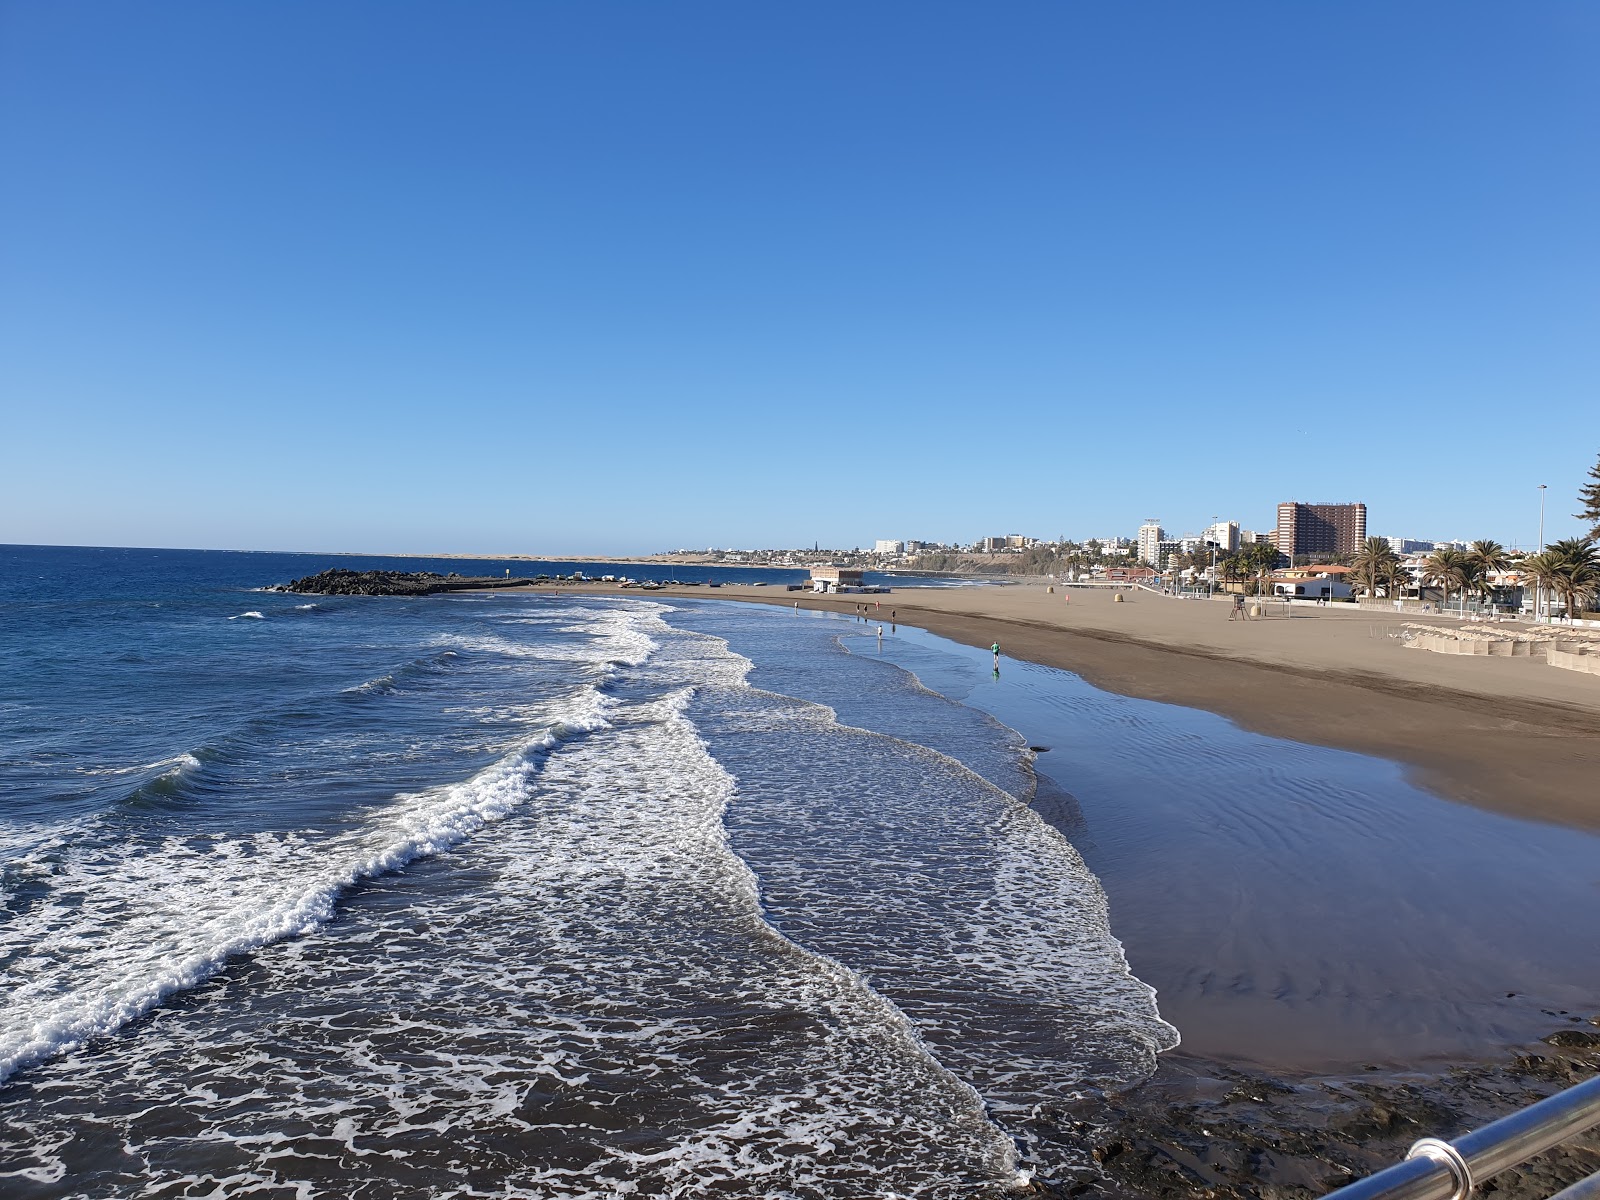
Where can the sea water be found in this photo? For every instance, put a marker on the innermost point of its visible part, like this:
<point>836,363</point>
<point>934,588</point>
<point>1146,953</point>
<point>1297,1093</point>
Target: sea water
<point>518,895</point>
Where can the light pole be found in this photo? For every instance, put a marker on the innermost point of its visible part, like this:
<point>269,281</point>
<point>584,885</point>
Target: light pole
<point>1538,587</point>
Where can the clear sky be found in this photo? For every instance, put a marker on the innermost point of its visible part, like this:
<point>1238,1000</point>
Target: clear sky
<point>541,277</point>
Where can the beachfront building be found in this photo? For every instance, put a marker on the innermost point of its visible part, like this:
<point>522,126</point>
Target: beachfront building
<point>1150,536</point>
<point>887,546</point>
<point>1143,575</point>
<point>1313,583</point>
<point>1404,545</point>
<point>1320,529</point>
<point>832,578</point>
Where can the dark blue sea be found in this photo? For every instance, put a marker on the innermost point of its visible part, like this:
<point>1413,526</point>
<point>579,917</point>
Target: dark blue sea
<point>489,895</point>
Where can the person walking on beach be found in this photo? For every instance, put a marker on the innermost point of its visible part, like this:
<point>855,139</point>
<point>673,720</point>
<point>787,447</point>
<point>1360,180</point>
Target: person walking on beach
<point>996,649</point>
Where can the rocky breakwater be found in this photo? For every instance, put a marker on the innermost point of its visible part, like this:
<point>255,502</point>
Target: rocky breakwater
<point>341,582</point>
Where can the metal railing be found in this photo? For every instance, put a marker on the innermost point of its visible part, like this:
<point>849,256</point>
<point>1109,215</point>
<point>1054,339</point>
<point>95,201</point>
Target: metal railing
<point>1438,1170</point>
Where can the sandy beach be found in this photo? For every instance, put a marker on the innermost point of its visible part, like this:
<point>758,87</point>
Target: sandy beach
<point>1512,735</point>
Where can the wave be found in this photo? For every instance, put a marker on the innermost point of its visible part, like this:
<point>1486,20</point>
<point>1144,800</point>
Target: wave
<point>251,616</point>
<point>389,681</point>
<point>164,920</point>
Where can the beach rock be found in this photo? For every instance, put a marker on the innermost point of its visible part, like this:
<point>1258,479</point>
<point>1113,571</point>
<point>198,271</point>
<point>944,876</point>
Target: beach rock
<point>342,582</point>
<point>1572,1038</point>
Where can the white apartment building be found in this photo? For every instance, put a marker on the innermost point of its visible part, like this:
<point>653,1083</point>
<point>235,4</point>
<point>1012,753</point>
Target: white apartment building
<point>1150,537</point>
<point>887,546</point>
<point>1225,534</point>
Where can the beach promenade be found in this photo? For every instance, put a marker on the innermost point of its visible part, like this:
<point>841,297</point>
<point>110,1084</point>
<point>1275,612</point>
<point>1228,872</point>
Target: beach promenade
<point>1509,734</point>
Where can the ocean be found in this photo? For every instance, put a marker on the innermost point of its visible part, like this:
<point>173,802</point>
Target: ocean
<point>519,895</point>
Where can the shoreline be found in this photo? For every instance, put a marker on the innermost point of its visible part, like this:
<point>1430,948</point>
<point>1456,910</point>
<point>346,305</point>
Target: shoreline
<point>1210,1123</point>
<point>1467,728</point>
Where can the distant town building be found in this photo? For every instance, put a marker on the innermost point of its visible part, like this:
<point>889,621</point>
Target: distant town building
<point>885,546</point>
<point>1329,529</point>
<point>1225,534</point>
<point>1150,535</point>
<point>1017,541</point>
<point>1165,549</point>
<point>1402,545</point>
<point>1252,537</point>
<point>913,547</point>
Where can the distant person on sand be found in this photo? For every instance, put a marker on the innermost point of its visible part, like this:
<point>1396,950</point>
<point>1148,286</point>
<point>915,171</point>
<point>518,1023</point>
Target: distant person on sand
<point>996,649</point>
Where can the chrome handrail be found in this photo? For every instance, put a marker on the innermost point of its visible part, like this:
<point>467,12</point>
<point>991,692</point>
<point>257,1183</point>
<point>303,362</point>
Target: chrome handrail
<point>1436,1170</point>
<point>1587,1188</point>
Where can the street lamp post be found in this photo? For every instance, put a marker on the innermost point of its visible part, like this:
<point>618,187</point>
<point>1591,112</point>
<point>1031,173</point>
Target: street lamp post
<point>1538,587</point>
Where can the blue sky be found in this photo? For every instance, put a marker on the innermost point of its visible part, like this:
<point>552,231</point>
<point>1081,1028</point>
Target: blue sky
<point>617,277</point>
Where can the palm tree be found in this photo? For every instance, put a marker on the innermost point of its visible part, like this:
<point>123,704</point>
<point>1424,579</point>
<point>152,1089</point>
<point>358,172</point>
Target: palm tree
<point>1487,558</point>
<point>1447,568</point>
<point>1576,574</point>
<point>1541,570</point>
<point>1372,564</point>
<point>1396,578</point>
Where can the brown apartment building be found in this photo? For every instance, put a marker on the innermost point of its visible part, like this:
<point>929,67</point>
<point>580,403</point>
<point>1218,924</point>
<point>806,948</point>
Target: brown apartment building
<point>1320,529</point>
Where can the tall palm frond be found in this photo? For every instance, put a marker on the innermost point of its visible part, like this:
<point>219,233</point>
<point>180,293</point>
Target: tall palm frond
<point>1372,564</point>
<point>1575,572</point>
<point>1447,568</point>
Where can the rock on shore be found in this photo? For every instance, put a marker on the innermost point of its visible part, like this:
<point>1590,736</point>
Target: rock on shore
<point>342,582</point>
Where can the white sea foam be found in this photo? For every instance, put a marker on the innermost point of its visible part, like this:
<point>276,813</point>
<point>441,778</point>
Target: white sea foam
<point>954,900</point>
<point>600,998</point>
<point>121,931</point>
<point>602,955</point>
<point>252,616</point>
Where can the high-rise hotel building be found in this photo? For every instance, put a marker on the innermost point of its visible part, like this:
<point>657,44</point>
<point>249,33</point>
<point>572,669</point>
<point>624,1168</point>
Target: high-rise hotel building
<point>1328,529</point>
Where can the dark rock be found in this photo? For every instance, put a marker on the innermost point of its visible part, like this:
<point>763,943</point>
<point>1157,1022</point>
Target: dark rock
<point>1572,1038</point>
<point>342,582</point>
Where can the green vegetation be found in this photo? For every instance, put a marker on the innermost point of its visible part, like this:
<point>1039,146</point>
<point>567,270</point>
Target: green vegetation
<point>1375,566</point>
<point>1589,497</point>
<point>1450,569</point>
<point>1571,569</point>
